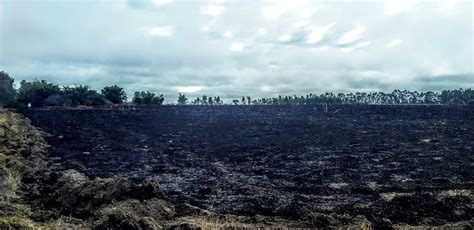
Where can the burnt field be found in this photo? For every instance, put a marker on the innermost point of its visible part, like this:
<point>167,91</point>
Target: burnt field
<point>390,164</point>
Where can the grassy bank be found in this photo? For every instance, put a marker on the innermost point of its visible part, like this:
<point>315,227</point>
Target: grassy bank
<point>21,150</point>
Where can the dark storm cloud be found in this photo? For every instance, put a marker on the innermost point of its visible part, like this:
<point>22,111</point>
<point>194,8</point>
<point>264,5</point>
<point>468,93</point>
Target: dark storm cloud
<point>459,79</point>
<point>449,81</point>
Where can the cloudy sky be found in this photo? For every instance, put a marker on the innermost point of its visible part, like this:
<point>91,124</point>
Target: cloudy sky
<point>234,48</point>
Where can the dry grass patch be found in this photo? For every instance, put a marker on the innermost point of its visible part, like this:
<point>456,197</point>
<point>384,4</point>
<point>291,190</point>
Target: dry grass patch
<point>453,193</point>
<point>213,222</point>
<point>19,141</point>
<point>16,222</point>
<point>11,181</point>
<point>389,196</point>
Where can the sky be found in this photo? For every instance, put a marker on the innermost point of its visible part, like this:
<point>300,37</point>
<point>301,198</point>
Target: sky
<point>235,48</point>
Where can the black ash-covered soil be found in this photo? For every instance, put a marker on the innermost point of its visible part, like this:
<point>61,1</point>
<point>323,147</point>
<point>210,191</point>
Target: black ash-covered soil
<point>391,164</point>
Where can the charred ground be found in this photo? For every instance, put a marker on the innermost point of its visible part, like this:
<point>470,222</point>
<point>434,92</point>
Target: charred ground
<point>391,164</point>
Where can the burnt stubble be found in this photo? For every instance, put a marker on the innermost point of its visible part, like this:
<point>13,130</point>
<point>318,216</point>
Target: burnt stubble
<point>392,164</point>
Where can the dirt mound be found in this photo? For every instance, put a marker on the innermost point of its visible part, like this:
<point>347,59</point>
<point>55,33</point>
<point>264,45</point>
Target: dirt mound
<point>135,214</point>
<point>35,192</point>
<point>108,203</point>
<point>74,194</point>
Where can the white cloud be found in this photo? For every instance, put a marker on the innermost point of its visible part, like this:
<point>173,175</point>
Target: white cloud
<point>362,44</point>
<point>189,89</point>
<point>277,8</point>
<point>393,43</point>
<point>355,47</point>
<point>273,66</point>
<point>377,75</point>
<point>285,38</point>
<point>262,31</point>
<point>160,31</point>
<point>273,12</point>
<point>352,36</point>
<point>317,33</point>
<point>212,10</point>
<point>237,47</point>
<point>267,88</point>
<point>228,34</point>
<point>447,4</point>
<point>307,13</point>
<point>322,48</point>
<point>301,24</point>
<point>394,7</point>
<point>441,69</point>
<point>161,2</point>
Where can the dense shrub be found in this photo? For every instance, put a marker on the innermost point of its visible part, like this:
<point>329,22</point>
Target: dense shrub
<point>114,94</point>
<point>57,100</point>
<point>7,92</point>
<point>83,95</point>
<point>456,96</point>
<point>147,98</point>
<point>42,93</point>
<point>36,92</point>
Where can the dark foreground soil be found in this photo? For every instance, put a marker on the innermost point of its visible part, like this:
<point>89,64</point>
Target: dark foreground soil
<point>390,164</point>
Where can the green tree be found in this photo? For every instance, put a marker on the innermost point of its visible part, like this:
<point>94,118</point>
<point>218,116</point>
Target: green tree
<point>36,92</point>
<point>137,98</point>
<point>83,95</point>
<point>7,92</point>
<point>147,98</point>
<point>114,94</point>
<point>182,100</point>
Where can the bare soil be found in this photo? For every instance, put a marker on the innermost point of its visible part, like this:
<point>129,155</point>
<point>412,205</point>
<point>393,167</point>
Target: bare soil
<point>390,164</point>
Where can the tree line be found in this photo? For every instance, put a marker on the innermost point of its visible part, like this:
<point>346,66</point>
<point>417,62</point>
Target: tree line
<point>457,96</point>
<point>40,93</point>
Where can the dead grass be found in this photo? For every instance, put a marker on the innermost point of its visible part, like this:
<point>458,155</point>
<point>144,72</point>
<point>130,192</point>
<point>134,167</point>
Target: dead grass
<point>18,140</point>
<point>453,226</point>
<point>214,222</point>
<point>11,181</point>
<point>16,222</point>
<point>389,196</point>
<point>453,193</point>
<point>63,223</point>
